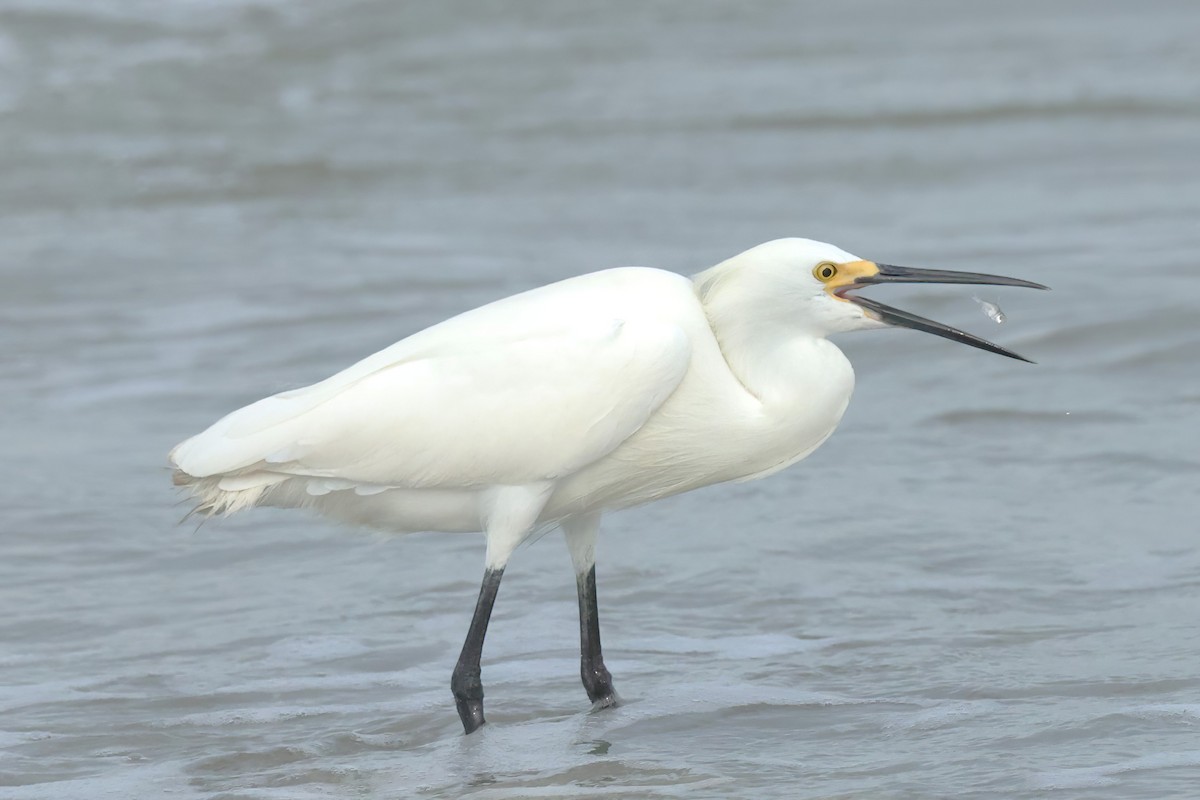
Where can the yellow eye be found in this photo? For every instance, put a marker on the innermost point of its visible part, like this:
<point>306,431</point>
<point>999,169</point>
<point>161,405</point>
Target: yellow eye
<point>825,271</point>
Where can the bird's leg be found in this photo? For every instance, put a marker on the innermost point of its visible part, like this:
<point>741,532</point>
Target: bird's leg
<point>580,533</point>
<point>466,682</point>
<point>596,678</point>
<point>510,514</point>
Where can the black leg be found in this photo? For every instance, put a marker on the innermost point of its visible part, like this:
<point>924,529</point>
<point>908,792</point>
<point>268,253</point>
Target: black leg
<point>596,678</point>
<point>466,683</point>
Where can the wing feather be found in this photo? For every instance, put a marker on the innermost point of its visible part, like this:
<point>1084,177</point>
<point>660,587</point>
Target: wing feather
<point>530,408</point>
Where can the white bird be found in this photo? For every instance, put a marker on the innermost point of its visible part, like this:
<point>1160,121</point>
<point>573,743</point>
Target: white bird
<point>556,405</point>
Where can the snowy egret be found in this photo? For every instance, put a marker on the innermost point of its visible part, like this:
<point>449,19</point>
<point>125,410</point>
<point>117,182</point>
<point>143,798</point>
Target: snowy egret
<point>553,406</point>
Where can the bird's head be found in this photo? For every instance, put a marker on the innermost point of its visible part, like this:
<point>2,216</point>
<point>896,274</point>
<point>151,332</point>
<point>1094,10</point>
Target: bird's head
<point>801,283</point>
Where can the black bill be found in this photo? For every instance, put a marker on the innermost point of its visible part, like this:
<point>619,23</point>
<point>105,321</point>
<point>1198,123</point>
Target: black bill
<point>889,273</point>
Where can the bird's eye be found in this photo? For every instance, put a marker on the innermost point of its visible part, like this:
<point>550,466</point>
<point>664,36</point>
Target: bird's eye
<point>825,272</point>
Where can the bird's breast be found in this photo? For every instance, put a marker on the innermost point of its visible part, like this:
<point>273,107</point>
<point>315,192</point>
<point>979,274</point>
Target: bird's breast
<point>800,408</point>
<point>716,429</point>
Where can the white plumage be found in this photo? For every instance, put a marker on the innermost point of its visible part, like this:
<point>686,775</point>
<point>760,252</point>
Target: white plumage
<point>552,406</point>
<point>532,389</point>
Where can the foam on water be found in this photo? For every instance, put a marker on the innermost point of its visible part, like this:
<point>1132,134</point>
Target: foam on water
<point>1108,774</point>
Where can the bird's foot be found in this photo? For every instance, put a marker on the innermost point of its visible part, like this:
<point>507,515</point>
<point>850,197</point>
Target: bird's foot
<point>609,700</point>
<point>468,697</point>
<point>470,711</point>
<point>598,683</point>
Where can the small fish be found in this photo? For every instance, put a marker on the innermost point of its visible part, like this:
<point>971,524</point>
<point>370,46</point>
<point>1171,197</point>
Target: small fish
<point>991,309</point>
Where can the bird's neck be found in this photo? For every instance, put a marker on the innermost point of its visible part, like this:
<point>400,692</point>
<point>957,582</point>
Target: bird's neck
<point>777,364</point>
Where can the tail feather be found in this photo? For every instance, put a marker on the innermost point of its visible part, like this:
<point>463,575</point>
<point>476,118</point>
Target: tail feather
<point>226,494</point>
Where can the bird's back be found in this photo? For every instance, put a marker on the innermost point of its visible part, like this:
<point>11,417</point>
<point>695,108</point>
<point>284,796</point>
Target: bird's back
<point>605,390</point>
<point>532,387</point>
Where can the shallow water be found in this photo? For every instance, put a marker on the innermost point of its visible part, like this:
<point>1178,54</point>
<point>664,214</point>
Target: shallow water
<point>986,584</point>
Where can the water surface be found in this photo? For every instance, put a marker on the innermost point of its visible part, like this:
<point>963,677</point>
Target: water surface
<point>985,585</point>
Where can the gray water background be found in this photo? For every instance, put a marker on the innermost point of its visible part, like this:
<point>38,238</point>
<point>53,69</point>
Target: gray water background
<point>985,585</point>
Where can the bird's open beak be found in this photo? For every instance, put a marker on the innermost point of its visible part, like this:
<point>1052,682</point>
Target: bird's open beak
<point>857,274</point>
